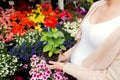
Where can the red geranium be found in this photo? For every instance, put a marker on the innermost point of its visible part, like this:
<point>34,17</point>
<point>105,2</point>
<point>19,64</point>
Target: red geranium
<point>20,23</point>
<point>65,15</point>
<point>50,22</point>
<point>46,9</point>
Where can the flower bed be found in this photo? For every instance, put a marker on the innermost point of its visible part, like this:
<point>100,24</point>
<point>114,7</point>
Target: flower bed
<point>28,37</point>
<point>26,34</point>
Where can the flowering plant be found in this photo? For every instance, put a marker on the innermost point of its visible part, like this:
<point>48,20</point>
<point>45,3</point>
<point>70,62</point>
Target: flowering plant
<point>5,29</point>
<point>72,27</point>
<point>28,45</point>
<point>40,71</point>
<point>20,23</point>
<point>37,32</point>
<point>8,65</point>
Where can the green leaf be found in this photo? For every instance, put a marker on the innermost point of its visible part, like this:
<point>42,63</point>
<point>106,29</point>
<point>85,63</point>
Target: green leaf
<point>62,47</point>
<point>47,47</point>
<point>54,30</point>
<point>43,38</point>
<point>44,33</point>
<point>60,41</point>
<point>60,34</point>
<point>50,41</point>
<point>55,35</point>
<point>50,53</point>
<point>49,34</point>
<point>55,45</point>
<point>56,51</point>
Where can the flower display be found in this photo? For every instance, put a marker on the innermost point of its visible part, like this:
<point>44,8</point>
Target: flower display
<point>8,65</point>
<point>30,36</point>
<point>20,23</point>
<point>65,15</point>
<point>40,71</point>
<point>37,17</point>
<point>72,27</point>
<point>6,34</point>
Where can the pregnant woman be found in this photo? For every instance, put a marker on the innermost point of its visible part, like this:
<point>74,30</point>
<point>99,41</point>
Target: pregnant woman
<point>96,56</point>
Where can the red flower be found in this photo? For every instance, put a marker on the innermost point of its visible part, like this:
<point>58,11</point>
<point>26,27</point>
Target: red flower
<point>66,14</point>
<point>46,9</point>
<point>17,29</point>
<point>14,24</point>
<point>50,22</point>
<point>20,23</point>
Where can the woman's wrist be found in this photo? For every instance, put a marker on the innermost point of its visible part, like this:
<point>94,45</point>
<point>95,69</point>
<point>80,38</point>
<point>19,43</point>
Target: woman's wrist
<point>66,57</point>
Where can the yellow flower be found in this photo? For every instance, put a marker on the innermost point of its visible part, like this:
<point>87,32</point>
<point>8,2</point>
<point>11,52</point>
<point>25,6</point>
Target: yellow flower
<point>41,18</point>
<point>38,27</point>
<point>37,11</point>
<point>38,6</point>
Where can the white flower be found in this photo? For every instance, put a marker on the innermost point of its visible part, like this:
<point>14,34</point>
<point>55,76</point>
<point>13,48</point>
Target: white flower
<point>72,27</point>
<point>7,65</point>
<point>11,2</point>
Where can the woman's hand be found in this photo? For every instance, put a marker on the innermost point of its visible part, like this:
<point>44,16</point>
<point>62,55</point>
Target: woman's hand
<point>56,65</point>
<point>62,58</point>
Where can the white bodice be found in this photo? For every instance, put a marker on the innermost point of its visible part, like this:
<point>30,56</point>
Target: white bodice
<point>93,35</point>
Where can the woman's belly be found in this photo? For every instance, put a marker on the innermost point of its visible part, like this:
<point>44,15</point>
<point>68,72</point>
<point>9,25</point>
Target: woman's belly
<point>82,51</point>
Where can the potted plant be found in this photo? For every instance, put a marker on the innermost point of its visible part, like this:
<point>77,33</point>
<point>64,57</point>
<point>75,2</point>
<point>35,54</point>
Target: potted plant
<point>53,40</point>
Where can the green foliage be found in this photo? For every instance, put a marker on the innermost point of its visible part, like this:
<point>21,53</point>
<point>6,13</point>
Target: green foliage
<point>54,40</point>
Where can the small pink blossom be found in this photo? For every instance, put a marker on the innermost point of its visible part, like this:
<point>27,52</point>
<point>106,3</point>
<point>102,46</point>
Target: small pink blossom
<point>33,64</point>
<point>25,65</point>
<point>9,36</point>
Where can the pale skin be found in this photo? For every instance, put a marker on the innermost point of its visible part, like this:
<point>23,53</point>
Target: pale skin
<point>102,14</point>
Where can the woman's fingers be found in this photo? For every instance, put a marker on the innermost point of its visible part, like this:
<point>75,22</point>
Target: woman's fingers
<point>55,65</point>
<point>51,62</point>
<point>50,66</point>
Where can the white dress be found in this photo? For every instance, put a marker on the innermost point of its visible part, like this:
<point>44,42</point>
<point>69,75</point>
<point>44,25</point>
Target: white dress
<point>93,36</point>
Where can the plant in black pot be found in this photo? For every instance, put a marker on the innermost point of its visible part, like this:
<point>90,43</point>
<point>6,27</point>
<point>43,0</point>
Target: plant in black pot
<point>53,40</point>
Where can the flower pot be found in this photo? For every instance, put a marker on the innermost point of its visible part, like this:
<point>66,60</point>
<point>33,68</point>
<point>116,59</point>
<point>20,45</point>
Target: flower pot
<point>54,57</point>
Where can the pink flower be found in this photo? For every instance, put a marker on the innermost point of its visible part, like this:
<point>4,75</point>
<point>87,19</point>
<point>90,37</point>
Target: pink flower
<point>25,65</point>
<point>33,78</point>
<point>38,66</point>
<point>34,56</point>
<point>9,36</point>
<point>40,71</point>
<point>31,72</point>
<point>33,64</point>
